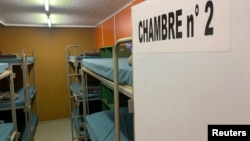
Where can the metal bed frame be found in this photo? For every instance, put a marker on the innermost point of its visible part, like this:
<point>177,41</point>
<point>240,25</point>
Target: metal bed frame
<point>74,73</point>
<point>28,101</point>
<point>124,89</point>
<point>27,108</point>
<point>9,74</point>
<point>116,86</point>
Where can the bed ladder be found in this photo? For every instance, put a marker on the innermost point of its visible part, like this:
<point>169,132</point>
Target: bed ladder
<point>73,73</point>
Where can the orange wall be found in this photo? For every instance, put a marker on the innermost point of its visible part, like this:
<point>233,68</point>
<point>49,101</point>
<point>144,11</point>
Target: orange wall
<point>123,23</point>
<point>108,32</point>
<point>49,46</point>
<point>98,37</point>
<point>118,26</point>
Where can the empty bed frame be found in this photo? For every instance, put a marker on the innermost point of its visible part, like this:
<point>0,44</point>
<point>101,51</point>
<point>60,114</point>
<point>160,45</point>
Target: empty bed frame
<point>26,95</point>
<point>75,54</point>
<point>8,131</point>
<point>114,72</point>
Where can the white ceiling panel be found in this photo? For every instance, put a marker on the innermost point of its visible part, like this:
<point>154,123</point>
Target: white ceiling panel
<point>63,13</point>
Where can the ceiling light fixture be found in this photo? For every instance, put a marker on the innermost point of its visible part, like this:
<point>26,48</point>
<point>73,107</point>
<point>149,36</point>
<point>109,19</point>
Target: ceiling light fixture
<point>49,21</point>
<point>46,4</point>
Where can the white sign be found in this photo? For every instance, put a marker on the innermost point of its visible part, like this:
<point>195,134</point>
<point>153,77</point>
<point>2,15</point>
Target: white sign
<point>181,26</point>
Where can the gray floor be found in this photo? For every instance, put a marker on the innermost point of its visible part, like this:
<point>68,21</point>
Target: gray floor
<point>57,130</point>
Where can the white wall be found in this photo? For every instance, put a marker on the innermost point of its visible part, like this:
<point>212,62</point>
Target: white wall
<point>178,94</point>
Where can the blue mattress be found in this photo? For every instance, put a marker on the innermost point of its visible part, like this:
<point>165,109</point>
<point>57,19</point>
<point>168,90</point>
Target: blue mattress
<point>104,68</point>
<point>17,60</point>
<point>79,58</point>
<point>20,101</point>
<point>101,125</point>
<point>3,67</point>
<point>26,136</point>
<point>76,88</point>
<point>77,122</point>
<point>75,58</point>
<point>6,130</point>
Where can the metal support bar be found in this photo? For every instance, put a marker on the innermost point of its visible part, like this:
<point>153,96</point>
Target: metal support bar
<point>27,108</point>
<point>13,107</point>
<point>116,85</point>
<point>85,96</point>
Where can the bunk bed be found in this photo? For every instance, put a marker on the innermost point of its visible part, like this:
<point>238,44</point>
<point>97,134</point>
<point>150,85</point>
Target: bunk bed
<point>75,54</point>
<point>8,131</point>
<point>115,124</point>
<point>26,94</point>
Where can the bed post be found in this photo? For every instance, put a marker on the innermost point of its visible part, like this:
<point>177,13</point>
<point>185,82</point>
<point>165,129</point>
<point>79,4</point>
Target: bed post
<point>116,87</point>
<point>13,107</point>
<point>27,101</point>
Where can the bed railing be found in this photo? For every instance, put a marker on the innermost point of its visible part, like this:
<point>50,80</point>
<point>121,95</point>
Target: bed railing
<point>116,85</point>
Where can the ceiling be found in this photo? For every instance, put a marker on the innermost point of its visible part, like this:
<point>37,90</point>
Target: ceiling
<point>63,13</point>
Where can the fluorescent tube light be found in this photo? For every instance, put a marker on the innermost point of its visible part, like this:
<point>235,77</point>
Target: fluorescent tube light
<point>46,4</point>
<point>49,21</point>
